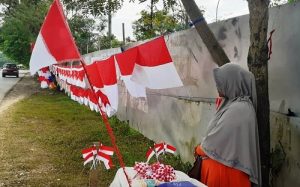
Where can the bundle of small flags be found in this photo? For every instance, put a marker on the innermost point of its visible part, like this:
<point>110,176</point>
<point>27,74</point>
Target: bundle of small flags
<point>156,171</point>
<point>159,149</point>
<point>95,156</point>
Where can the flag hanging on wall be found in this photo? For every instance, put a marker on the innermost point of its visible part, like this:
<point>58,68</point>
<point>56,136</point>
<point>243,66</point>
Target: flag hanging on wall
<point>54,43</point>
<point>154,67</point>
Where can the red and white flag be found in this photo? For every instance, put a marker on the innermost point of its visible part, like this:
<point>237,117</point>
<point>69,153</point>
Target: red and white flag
<point>126,62</point>
<point>154,67</point>
<point>54,43</point>
<point>150,153</point>
<point>102,157</point>
<point>163,148</point>
<point>106,150</point>
<point>107,72</point>
<point>170,148</point>
<point>159,148</point>
<point>96,81</point>
<point>89,154</point>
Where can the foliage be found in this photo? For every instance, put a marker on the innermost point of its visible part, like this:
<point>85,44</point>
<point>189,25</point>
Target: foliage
<point>160,23</point>
<point>3,59</point>
<point>83,29</point>
<point>104,42</point>
<point>20,28</point>
<point>167,3</point>
<point>280,2</point>
<point>94,7</point>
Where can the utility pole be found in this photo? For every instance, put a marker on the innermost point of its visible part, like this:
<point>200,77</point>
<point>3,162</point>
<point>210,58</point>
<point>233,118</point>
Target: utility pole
<point>208,38</point>
<point>109,22</point>
<point>123,31</point>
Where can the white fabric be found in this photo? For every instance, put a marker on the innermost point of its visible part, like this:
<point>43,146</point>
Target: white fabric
<point>157,77</point>
<point>134,89</point>
<point>121,181</point>
<point>112,94</point>
<point>41,56</point>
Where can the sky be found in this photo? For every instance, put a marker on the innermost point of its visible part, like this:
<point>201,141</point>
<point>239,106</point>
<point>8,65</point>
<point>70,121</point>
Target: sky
<point>131,12</point>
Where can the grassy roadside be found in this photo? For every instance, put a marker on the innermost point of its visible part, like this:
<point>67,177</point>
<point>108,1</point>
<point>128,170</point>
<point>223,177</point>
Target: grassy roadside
<point>45,135</point>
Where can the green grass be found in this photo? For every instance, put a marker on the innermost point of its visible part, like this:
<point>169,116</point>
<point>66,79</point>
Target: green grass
<point>47,133</point>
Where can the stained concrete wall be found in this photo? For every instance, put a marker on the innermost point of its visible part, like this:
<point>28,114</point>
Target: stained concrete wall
<point>180,115</point>
<point>285,143</point>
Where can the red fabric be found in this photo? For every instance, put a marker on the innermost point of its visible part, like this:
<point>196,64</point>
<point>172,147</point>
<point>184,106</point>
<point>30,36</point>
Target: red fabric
<point>127,60</point>
<point>103,97</point>
<point>270,44</point>
<point>153,53</point>
<point>94,75</point>
<point>215,174</point>
<point>45,69</point>
<point>107,71</point>
<point>218,102</point>
<point>57,36</point>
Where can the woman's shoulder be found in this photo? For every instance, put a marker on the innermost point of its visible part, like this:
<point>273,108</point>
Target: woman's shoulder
<point>240,109</point>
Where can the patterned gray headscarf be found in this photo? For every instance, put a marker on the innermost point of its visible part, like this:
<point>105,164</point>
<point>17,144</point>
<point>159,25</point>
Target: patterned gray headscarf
<point>232,135</point>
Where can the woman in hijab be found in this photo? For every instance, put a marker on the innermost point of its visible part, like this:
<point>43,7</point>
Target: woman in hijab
<point>230,149</point>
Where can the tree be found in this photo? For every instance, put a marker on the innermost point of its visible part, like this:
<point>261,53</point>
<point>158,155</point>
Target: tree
<point>83,29</point>
<point>160,23</point>
<point>4,59</point>
<point>20,27</point>
<point>257,63</point>
<point>107,42</point>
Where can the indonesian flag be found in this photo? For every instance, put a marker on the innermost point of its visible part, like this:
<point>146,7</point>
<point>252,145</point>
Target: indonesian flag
<point>159,148</point>
<point>96,81</point>
<point>107,71</point>
<point>169,148</point>
<point>54,43</point>
<point>105,159</point>
<point>126,62</point>
<point>106,150</point>
<point>163,148</point>
<point>88,154</point>
<point>149,154</point>
<point>154,67</point>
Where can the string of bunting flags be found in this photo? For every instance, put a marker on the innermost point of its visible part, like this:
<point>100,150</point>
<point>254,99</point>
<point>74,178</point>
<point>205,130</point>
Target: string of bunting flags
<point>148,65</point>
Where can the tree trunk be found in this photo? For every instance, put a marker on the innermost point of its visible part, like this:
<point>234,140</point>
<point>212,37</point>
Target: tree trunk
<point>214,48</point>
<point>258,65</point>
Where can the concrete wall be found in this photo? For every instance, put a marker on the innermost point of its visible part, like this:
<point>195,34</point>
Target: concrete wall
<point>180,115</point>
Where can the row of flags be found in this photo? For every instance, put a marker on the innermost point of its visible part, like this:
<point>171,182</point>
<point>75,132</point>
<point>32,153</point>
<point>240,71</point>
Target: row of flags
<point>148,65</point>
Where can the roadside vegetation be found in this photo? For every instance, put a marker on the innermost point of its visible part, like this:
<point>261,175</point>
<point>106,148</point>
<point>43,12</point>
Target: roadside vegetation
<point>45,133</point>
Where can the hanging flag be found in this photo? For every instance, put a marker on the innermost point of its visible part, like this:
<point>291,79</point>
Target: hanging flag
<point>98,86</point>
<point>126,62</point>
<point>54,43</point>
<point>154,67</point>
<point>107,72</point>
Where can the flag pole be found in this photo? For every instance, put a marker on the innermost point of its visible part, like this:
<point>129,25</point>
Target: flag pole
<point>107,124</point>
<point>103,115</point>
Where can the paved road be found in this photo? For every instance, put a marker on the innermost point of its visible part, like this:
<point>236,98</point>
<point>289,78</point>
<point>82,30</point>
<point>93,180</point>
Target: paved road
<point>6,83</point>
